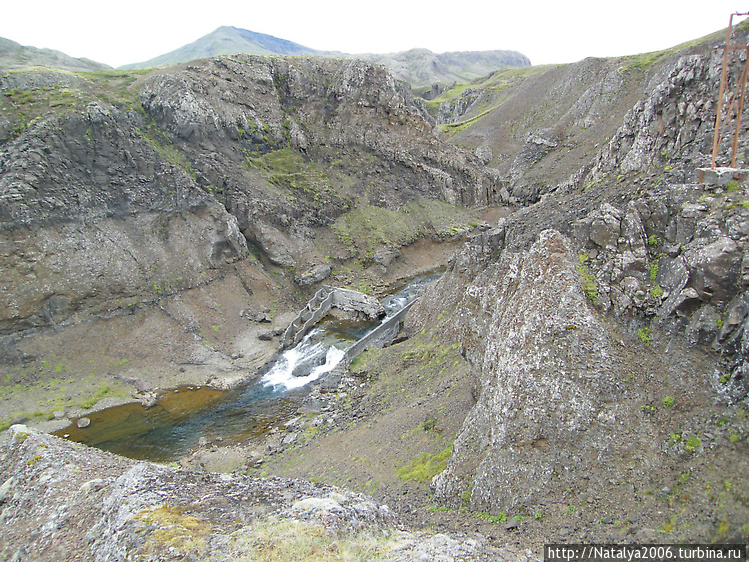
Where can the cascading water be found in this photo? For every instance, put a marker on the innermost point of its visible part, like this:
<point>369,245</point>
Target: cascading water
<point>292,370</point>
<point>181,417</point>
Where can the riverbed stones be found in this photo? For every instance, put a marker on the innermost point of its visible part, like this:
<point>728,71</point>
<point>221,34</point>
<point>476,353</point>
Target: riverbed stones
<point>83,422</point>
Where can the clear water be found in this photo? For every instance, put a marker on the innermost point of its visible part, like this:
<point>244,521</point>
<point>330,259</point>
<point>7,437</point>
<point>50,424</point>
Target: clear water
<point>172,427</point>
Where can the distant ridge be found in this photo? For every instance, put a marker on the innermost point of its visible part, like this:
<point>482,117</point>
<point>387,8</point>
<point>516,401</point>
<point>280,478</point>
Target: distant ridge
<point>226,40</point>
<point>15,55</point>
<point>419,67</point>
<point>422,67</point>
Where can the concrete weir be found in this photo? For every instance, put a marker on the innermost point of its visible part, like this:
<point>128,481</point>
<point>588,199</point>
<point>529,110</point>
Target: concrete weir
<point>325,299</point>
<point>380,336</point>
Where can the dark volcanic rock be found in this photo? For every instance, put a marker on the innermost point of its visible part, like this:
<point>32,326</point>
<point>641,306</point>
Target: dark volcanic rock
<point>102,202</point>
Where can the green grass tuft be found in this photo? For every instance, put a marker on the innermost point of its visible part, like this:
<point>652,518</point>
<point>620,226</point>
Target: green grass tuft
<point>426,466</point>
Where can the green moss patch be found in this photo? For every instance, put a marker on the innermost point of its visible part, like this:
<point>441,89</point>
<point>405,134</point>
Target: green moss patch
<point>367,228</point>
<point>426,466</point>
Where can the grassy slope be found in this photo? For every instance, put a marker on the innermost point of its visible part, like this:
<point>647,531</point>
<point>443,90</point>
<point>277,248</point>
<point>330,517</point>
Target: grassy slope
<point>515,102</point>
<point>398,433</point>
<point>14,55</point>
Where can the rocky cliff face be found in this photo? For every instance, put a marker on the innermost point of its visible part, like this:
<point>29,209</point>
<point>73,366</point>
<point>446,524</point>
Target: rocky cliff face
<point>610,360</point>
<point>101,201</point>
<point>92,213</point>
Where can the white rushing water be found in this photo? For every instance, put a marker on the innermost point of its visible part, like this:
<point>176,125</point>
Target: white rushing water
<point>312,358</point>
<point>302,364</point>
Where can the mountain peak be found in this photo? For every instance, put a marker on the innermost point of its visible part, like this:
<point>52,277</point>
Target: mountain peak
<point>227,40</point>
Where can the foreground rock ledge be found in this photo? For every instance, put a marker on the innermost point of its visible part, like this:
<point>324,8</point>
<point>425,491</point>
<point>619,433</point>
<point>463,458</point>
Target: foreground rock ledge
<point>65,501</point>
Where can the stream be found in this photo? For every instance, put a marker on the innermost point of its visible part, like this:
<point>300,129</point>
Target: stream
<point>182,416</point>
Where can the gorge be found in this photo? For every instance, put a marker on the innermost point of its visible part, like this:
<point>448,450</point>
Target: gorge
<point>576,375</point>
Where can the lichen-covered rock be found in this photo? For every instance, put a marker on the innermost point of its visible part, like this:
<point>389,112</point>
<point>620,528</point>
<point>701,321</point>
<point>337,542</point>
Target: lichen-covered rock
<point>62,501</point>
<point>315,274</point>
<point>714,269</point>
<point>538,397</point>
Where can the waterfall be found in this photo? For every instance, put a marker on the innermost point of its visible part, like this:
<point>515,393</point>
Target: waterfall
<point>303,364</point>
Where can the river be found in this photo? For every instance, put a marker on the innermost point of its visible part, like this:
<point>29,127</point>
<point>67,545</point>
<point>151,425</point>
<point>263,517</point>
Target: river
<point>174,425</point>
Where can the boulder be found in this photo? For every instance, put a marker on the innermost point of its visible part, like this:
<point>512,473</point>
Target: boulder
<point>714,270</point>
<point>703,326</point>
<point>274,243</point>
<point>385,256</point>
<point>315,274</point>
<point>605,225</point>
<point>672,274</point>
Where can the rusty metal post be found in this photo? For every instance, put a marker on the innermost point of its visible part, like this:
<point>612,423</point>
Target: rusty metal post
<point>740,110</point>
<point>736,100</point>
<point>721,92</point>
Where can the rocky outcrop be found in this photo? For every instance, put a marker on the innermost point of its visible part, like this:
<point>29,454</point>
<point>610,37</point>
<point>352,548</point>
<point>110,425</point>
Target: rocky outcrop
<point>569,411</point>
<point>526,327</point>
<point>671,120</point>
<point>313,105</point>
<point>102,204</point>
<point>586,314</point>
<point>453,110</point>
<point>66,502</point>
<point>92,212</point>
<point>676,259</point>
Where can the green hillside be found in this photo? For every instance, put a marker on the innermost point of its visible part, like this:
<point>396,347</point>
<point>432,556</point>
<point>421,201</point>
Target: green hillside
<point>15,55</point>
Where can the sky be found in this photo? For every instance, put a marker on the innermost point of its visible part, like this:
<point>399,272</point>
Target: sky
<point>548,32</point>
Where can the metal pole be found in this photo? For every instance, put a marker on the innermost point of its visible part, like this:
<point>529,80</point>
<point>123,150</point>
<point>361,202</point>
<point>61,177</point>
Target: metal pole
<point>723,80</point>
<point>735,101</point>
<point>735,145</point>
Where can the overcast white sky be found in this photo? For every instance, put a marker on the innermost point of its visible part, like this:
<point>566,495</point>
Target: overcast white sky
<point>118,33</point>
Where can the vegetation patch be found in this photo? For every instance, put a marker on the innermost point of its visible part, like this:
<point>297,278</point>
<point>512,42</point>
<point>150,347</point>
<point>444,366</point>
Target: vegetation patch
<point>287,168</point>
<point>587,279</point>
<point>103,390</point>
<point>693,444</point>
<point>454,128</point>
<point>111,86</point>
<point>289,540</point>
<point>501,517</point>
<point>164,147</point>
<point>172,529</point>
<point>368,228</point>
<point>645,335</point>
<point>426,466</point>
